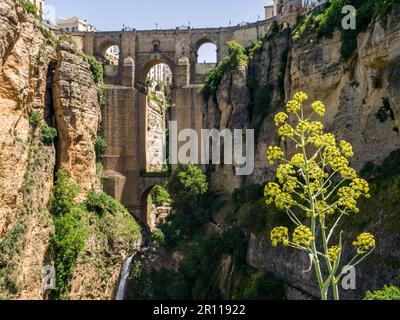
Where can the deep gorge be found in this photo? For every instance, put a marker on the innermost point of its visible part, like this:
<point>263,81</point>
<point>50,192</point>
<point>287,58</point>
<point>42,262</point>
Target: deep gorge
<point>215,244</point>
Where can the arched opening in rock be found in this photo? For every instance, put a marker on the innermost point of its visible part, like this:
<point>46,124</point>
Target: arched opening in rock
<point>156,206</point>
<point>207,53</point>
<point>158,102</point>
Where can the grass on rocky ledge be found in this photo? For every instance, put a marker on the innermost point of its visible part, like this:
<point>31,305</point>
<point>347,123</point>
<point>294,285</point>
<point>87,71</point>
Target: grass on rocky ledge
<point>324,23</point>
<point>100,218</point>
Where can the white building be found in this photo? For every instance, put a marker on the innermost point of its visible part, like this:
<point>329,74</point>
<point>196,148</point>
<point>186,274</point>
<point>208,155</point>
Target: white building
<point>39,6</point>
<point>112,54</point>
<point>161,73</point>
<point>283,8</point>
<point>74,24</point>
<point>269,12</point>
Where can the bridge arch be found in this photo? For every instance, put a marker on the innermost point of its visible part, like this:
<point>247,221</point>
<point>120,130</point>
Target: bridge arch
<point>103,50</point>
<point>152,61</point>
<point>143,212</point>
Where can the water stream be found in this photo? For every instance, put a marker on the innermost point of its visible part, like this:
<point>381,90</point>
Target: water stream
<point>126,270</point>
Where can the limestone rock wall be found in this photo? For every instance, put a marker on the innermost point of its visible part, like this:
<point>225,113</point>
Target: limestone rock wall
<point>26,165</point>
<point>47,83</point>
<point>349,90</point>
<point>228,112</point>
<point>77,115</point>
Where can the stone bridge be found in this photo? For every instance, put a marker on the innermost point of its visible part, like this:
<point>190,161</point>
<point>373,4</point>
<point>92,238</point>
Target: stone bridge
<point>124,114</point>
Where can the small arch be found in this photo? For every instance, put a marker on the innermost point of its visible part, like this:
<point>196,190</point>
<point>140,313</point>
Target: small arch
<point>156,46</point>
<point>155,60</point>
<point>152,215</point>
<point>110,52</point>
<point>206,51</point>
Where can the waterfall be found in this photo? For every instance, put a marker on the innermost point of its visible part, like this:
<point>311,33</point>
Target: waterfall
<point>124,278</point>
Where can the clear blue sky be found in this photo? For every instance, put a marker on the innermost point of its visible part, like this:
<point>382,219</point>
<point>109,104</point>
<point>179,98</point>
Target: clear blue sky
<point>144,14</point>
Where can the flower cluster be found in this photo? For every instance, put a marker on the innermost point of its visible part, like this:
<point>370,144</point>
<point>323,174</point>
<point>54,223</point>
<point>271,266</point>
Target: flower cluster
<point>334,253</point>
<point>318,108</point>
<point>303,236</point>
<point>273,193</point>
<point>274,153</point>
<point>347,149</point>
<point>286,131</point>
<point>348,196</point>
<point>284,171</point>
<point>300,97</point>
<point>324,140</point>
<point>293,106</point>
<point>278,235</point>
<point>323,209</point>
<point>364,243</point>
<point>360,187</point>
<point>298,160</point>
<point>280,118</point>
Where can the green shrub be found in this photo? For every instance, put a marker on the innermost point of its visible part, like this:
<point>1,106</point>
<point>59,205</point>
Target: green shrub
<point>101,97</point>
<point>47,34</point>
<point>29,7</point>
<point>255,49</point>
<point>95,67</point>
<point>165,173</point>
<point>389,167</point>
<point>34,119</point>
<point>187,185</point>
<point>63,194</point>
<point>248,193</point>
<point>387,293</point>
<point>68,242</point>
<point>69,235</point>
<point>376,80</point>
<point>101,203</point>
<point>159,196</point>
<point>349,43</point>
<point>100,147</point>
<point>385,111</point>
<point>158,237</point>
<point>258,285</point>
<point>48,134</point>
<point>382,8</point>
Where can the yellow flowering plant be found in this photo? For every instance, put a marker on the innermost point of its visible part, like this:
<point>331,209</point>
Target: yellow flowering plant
<point>317,188</point>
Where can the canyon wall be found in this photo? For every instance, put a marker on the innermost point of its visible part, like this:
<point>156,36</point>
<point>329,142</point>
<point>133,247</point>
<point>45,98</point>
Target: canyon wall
<point>47,87</point>
<point>353,91</point>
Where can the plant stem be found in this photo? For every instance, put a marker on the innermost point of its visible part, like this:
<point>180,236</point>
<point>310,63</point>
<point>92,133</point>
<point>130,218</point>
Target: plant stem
<point>317,267</point>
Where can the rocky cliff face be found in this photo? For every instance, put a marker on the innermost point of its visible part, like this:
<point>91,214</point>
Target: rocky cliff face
<point>26,165</point>
<point>353,91</point>
<point>228,112</point>
<point>45,83</point>
<point>77,114</point>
